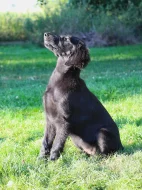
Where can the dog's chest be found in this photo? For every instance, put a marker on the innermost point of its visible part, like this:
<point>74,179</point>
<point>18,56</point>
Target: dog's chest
<point>55,103</point>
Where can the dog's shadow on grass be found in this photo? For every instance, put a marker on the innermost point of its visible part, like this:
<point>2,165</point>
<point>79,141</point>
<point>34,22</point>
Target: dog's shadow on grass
<point>131,148</point>
<point>123,121</point>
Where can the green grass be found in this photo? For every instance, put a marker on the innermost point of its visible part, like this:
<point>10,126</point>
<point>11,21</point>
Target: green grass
<point>114,75</point>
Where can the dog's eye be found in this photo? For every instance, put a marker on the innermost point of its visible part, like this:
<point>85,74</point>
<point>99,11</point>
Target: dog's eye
<point>65,39</point>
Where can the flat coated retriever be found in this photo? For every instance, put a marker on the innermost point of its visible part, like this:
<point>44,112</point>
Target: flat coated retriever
<point>71,109</point>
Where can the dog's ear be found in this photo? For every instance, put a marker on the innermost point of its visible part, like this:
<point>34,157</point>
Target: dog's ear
<point>83,55</point>
<point>80,57</point>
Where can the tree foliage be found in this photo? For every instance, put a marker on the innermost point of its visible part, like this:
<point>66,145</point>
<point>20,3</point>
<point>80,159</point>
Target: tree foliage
<point>112,4</point>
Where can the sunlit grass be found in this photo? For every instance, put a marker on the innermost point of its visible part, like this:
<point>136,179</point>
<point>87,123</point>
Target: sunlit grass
<point>114,76</point>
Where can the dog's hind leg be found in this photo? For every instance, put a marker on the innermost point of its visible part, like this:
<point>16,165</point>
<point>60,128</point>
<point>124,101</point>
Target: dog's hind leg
<point>107,142</point>
<point>84,146</point>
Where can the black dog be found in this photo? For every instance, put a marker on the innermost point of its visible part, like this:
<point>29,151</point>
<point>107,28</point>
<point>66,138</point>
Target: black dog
<point>71,109</point>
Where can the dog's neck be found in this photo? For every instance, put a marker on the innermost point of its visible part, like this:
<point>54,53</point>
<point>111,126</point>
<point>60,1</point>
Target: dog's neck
<point>63,71</point>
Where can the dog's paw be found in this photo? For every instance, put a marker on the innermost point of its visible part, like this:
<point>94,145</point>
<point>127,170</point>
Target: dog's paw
<point>54,156</point>
<point>42,157</point>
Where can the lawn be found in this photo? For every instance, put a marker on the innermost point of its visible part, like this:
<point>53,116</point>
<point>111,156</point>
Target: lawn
<point>114,75</point>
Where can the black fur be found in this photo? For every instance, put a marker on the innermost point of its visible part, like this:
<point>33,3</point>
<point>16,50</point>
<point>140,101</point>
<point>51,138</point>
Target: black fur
<point>71,109</point>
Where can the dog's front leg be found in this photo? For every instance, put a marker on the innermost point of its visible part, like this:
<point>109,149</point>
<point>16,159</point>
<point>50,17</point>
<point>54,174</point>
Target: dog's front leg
<point>47,142</point>
<point>59,141</point>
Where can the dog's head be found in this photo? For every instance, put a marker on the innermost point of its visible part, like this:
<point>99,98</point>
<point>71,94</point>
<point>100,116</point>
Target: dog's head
<point>70,48</point>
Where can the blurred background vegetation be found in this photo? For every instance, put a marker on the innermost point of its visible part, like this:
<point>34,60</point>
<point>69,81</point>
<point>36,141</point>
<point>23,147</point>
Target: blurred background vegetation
<point>98,22</point>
